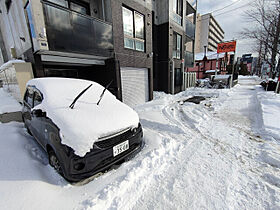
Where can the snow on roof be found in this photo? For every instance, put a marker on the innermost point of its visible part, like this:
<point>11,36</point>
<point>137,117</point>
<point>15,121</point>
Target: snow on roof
<point>209,55</point>
<point>87,122</point>
<point>10,63</point>
<point>226,76</point>
<point>211,71</point>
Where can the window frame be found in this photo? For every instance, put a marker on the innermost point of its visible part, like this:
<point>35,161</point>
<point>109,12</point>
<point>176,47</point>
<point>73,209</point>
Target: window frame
<point>80,3</point>
<point>134,39</point>
<point>176,48</point>
<point>29,92</point>
<point>37,92</point>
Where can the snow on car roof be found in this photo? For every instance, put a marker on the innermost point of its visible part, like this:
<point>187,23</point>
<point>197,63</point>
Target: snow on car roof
<point>87,122</point>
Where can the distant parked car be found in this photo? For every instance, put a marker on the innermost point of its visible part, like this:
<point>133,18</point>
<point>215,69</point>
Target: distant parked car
<point>269,85</point>
<point>81,125</point>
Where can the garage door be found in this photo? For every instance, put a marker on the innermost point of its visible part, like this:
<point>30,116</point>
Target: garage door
<point>135,85</point>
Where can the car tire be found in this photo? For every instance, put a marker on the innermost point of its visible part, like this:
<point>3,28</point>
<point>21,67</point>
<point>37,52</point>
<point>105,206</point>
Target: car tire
<point>55,163</point>
<point>28,131</point>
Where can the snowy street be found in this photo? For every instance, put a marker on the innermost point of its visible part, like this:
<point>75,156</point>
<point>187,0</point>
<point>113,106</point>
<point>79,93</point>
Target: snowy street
<point>223,153</point>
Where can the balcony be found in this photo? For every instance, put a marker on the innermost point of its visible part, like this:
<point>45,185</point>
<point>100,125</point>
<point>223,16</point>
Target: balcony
<point>189,59</point>
<point>71,32</point>
<point>177,18</point>
<point>190,29</point>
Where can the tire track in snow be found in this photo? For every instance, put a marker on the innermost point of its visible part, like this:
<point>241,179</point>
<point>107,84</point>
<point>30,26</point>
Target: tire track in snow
<point>122,193</point>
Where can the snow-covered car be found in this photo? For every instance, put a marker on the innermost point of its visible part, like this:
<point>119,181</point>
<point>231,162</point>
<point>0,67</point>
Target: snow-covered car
<point>81,125</point>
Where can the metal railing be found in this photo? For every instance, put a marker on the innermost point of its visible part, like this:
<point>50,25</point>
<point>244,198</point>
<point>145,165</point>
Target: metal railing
<point>9,83</point>
<point>190,79</point>
<point>177,18</point>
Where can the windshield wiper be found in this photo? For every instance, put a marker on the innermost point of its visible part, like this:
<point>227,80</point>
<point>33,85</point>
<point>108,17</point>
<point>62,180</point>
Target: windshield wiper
<point>78,96</point>
<point>102,94</point>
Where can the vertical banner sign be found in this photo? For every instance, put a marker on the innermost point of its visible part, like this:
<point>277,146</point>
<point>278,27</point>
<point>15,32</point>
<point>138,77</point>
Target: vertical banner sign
<point>226,47</point>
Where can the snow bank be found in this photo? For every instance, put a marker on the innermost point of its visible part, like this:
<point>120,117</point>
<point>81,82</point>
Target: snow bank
<point>211,71</point>
<point>10,63</point>
<point>8,103</point>
<point>270,104</point>
<point>87,122</point>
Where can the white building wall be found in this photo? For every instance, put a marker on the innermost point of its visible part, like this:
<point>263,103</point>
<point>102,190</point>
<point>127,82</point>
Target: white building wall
<point>14,28</point>
<point>207,33</point>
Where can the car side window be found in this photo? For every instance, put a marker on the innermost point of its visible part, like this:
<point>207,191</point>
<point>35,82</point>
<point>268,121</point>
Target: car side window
<point>29,97</point>
<point>37,99</point>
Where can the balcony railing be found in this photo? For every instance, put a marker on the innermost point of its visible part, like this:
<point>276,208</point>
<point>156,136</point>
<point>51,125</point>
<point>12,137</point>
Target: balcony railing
<point>189,59</point>
<point>69,31</point>
<point>177,18</point>
<point>190,29</point>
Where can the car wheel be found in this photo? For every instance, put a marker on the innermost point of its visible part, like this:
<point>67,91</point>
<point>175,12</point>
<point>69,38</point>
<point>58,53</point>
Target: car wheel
<point>54,162</point>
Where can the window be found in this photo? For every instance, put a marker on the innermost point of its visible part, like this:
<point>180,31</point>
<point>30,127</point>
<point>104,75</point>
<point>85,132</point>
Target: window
<point>63,3</point>
<point>28,97</point>
<point>74,5</point>
<point>177,45</point>
<point>133,28</point>
<point>177,11</point>
<point>8,4</point>
<point>178,7</point>
<point>190,13</point>
<point>80,7</point>
<point>37,99</point>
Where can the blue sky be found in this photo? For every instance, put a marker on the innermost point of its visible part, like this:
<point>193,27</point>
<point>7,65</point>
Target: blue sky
<point>233,21</point>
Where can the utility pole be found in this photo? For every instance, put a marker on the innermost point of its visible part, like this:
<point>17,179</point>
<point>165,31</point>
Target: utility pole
<point>205,57</point>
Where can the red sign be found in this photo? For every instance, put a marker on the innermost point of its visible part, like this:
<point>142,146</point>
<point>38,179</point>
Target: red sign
<point>226,47</point>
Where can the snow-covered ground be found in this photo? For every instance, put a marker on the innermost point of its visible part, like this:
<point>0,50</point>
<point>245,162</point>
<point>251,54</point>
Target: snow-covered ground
<point>223,153</point>
<point>7,103</point>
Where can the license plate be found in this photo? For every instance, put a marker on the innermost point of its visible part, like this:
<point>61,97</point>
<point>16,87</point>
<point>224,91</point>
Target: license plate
<point>120,148</point>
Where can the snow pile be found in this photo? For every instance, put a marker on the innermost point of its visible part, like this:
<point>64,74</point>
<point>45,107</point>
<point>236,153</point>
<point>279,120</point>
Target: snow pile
<point>8,103</point>
<point>87,122</point>
<point>270,105</point>
<point>10,63</point>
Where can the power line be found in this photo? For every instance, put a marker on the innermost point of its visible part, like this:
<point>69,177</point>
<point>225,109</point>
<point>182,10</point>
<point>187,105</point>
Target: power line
<point>226,6</point>
<point>232,9</point>
<point>229,11</point>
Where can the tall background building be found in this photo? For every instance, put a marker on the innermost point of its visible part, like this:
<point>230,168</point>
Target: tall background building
<point>208,33</point>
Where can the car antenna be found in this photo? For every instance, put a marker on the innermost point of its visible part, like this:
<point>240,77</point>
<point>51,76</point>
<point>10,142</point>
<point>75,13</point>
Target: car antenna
<point>102,94</point>
<point>78,96</point>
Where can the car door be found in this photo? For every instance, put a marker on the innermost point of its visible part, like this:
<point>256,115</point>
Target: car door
<point>38,118</point>
<point>27,106</point>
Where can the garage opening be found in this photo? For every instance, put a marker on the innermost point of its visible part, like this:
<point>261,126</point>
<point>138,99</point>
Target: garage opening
<point>135,85</point>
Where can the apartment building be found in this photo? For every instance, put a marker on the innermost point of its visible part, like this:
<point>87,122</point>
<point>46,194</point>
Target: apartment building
<point>98,40</point>
<point>173,42</point>
<point>208,33</point>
